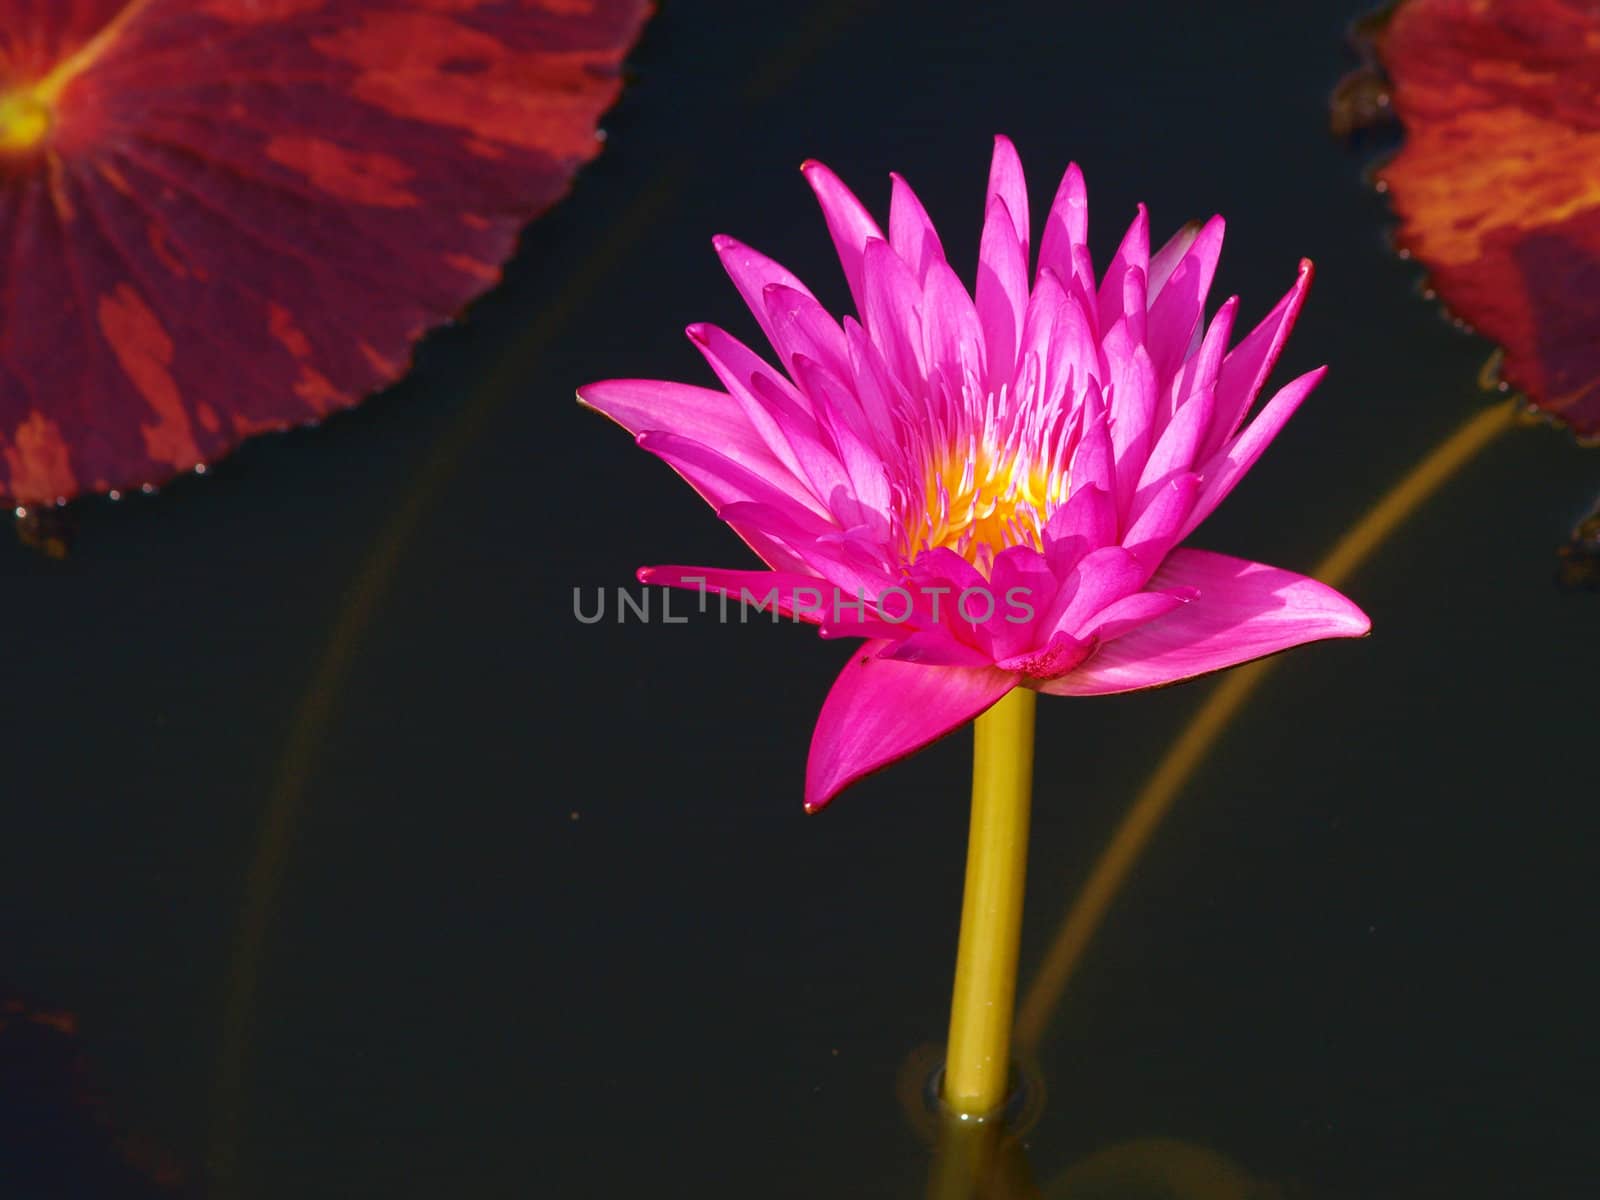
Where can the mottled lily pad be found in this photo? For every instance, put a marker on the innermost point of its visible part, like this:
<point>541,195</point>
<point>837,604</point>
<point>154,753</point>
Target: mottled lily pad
<point>1497,181</point>
<point>219,217</point>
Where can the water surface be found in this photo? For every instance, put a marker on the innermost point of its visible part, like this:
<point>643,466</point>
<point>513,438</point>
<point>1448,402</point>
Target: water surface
<point>528,908</point>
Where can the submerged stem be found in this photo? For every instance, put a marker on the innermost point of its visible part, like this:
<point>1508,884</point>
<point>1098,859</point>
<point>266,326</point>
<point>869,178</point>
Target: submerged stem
<point>979,1054</point>
<point>1185,756</point>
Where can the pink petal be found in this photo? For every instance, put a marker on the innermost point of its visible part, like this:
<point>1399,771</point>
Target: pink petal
<point>880,710</point>
<point>1083,284</point>
<point>1223,472</point>
<point>1164,521</point>
<point>1247,366</point>
<point>952,337</point>
<point>1133,406</point>
<point>1174,450</point>
<point>1060,333</point>
<point>839,414</point>
<point>1007,182</point>
<point>821,550</point>
<point>1125,615</point>
<point>1024,588</point>
<point>1094,460</point>
<point>1045,310</point>
<point>722,481</point>
<point>797,324</point>
<point>794,596</point>
<point>1177,306</point>
<point>1165,260</point>
<point>891,301</point>
<point>1243,610</point>
<point>1066,227</point>
<point>752,273</point>
<point>771,404</point>
<point>849,223</point>
<point>1002,293</point>
<point>881,395</point>
<point>1103,577</point>
<point>944,564</point>
<point>699,414</point>
<point>936,648</point>
<point>1060,655</point>
<point>780,413</point>
<point>911,233</point>
<point>1133,253</point>
<point>1199,371</point>
<point>1135,304</point>
<point>1086,522</point>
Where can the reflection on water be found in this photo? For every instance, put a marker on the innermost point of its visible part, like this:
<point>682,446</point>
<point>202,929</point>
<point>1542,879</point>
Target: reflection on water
<point>988,1161</point>
<point>1158,1169</point>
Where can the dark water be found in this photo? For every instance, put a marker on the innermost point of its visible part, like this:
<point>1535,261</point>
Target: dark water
<point>516,907</point>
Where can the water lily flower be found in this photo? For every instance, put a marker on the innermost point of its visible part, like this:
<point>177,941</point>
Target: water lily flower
<point>990,487</point>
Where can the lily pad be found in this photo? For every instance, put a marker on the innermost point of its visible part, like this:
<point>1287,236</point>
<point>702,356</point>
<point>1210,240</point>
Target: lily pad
<point>1497,181</point>
<point>220,217</point>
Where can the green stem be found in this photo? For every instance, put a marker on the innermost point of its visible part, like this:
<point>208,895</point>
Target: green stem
<point>979,1054</point>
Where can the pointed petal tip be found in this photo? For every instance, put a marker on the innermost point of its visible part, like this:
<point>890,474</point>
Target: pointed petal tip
<point>721,242</point>
<point>591,395</point>
<point>1005,152</point>
<point>1305,383</point>
<point>1355,621</point>
<point>882,710</point>
<point>1245,611</point>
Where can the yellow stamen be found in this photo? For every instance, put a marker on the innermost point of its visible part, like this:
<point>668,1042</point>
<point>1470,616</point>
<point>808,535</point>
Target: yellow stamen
<point>978,501</point>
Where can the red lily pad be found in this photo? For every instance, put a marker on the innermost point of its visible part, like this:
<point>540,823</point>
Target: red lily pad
<point>1497,183</point>
<point>219,217</point>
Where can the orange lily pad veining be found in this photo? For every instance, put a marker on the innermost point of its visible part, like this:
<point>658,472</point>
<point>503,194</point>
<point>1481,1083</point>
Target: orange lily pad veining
<point>1497,184</point>
<point>219,217</point>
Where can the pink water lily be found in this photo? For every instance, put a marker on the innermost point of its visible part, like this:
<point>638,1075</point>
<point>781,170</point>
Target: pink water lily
<point>990,487</point>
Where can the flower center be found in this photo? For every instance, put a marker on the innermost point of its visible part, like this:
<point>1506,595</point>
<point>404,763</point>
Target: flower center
<point>978,499</point>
